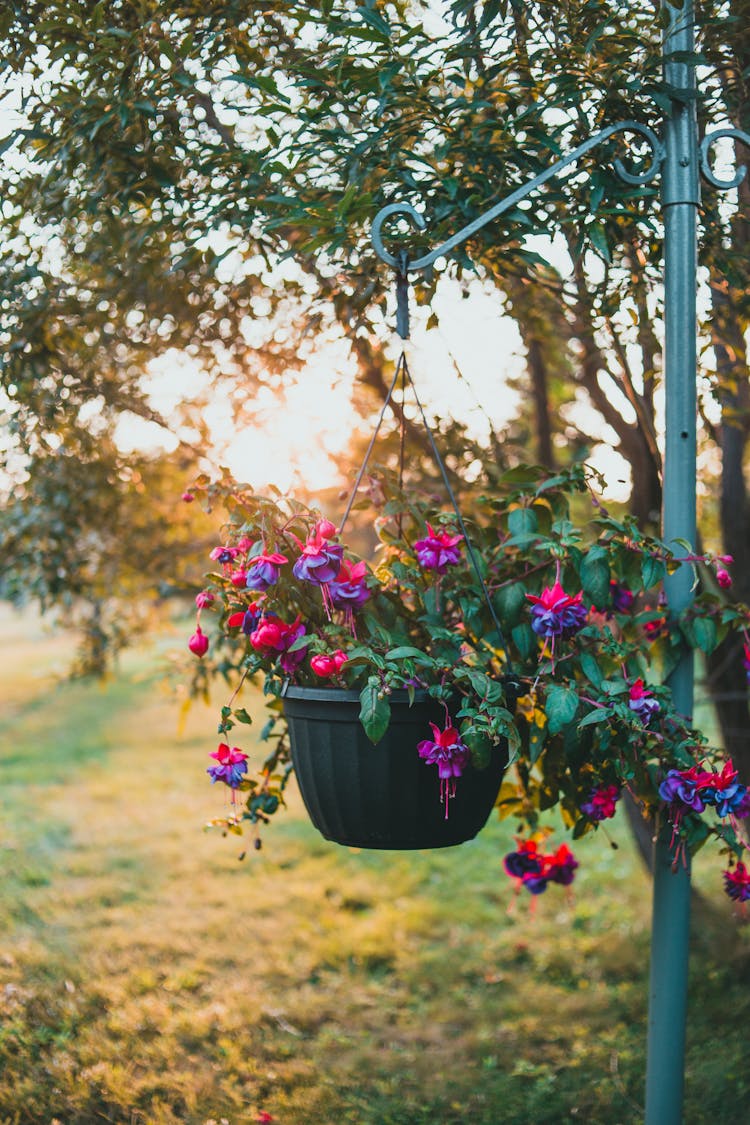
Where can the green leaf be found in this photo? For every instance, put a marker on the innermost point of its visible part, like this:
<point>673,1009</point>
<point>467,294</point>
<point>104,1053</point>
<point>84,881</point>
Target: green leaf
<point>525,640</point>
<point>591,669</point>
<point>595,579</point>
<point>652,571</point>
<point>509,602</point>
<point>374,712</point>
<point>522,523</point>
<point>537,736</point>
<point>704,631</point>
<point>242,716</point>
<point>560,707</point>
<point>599,715</point>
<point>406,652</point>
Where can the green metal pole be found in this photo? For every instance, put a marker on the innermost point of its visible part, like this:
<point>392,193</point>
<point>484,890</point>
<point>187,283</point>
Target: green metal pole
<point>671,903</point>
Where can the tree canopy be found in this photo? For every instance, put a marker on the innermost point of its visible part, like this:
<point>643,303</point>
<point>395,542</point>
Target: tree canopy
<point>167,159</point>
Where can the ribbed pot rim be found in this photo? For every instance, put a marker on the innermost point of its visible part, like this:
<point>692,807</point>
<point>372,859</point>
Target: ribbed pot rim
<point>350,695</point>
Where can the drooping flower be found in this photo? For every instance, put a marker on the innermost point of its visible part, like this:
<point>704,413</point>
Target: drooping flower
<point>641,701</point>
<point>204,598</point>
<point>723,790</point>
<point>602,802</point>
<point>263,571</point>
<point>655,628</point>
<point>320,560</point>
<point>198,643</point>
<point>232,764</point>
<point>557,614</point>
<point>682,788</point>
<point>238,577</point>
<point>527,860</point>
<point>533,870</point>
<point>746,659</point>
<point>724,578</point>
<point>438,550</point>
<point>349,588</point>
<point>560,866</point>
<point>622,598</point>
<point>449,753</point>
<point>737,883</point>
<point>272,635</point>
<point>224,555</point>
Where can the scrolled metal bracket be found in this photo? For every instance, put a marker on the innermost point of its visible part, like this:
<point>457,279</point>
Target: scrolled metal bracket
<point>406,264</point>
<point>707,172</point>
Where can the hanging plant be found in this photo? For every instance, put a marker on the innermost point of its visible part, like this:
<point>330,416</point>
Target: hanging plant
<point>544,643</point>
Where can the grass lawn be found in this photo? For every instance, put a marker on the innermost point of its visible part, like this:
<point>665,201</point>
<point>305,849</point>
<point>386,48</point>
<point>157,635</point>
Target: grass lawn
<point>148,975</point>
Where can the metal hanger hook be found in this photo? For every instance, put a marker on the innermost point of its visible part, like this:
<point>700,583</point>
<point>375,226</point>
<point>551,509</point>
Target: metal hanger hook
<point>384,213</point>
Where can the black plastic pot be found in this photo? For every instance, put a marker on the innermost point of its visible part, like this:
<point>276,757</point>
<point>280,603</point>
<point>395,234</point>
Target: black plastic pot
<point>382,796</point>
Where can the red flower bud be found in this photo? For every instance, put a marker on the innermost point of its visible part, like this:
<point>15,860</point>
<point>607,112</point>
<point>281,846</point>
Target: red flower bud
<point>267,635</point>
<point>323,665</point>
<point>238,578</point>
<point>235,619</point>
<point>724,578</point>
<point>204,598</point>
<point>339,659</point>
<point>325,529</point>
<point>198,643</point>
<point>188,497</point>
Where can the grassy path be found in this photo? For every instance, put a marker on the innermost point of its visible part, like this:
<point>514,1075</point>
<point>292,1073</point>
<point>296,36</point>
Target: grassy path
<point>149,976</point>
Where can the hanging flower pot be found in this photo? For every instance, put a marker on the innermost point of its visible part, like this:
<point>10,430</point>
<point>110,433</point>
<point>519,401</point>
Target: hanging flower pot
<point>382,796</point>
<point>523,637</point>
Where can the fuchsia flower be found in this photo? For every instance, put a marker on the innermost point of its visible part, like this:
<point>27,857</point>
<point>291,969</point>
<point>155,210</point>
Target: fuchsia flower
<point>534,871</point>
<point>198,643</point>
<point>225,555</point>
<point>746,659</point>
<point>557,614</point>
<point>451,756</point>
<point>641,700</point>
<point>204,598</point>
<point>263,571</point>
<point>438,550</point>
<point>602,802</point>
<point>274,635</point>
<point>188,497</point>
<point>724,578</point>
<point>320,560</point>
<point>622,598</point>
<point>349,589</point>
<point>232,764</point>
<point>737,883</point>
<point>695,788</point>
<point>325,664</point>
<point>238,577</point>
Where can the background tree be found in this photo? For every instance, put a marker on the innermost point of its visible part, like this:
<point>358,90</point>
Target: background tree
<point>173,156</point>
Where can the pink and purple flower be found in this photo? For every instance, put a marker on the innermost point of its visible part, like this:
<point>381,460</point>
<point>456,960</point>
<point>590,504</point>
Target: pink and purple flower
<point>602,802</point>
<point>349,589</point>
<point>695,788</point>
<point>263,571</point>
<point>449,753</point>
<point>622,598</point>
<point>557,614</point>
<point>641,701</point>
<point>320,561</point>
<point>737,883</point>
<point>230,767</point>
<point>534,870</point>
<point>438,550</point>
